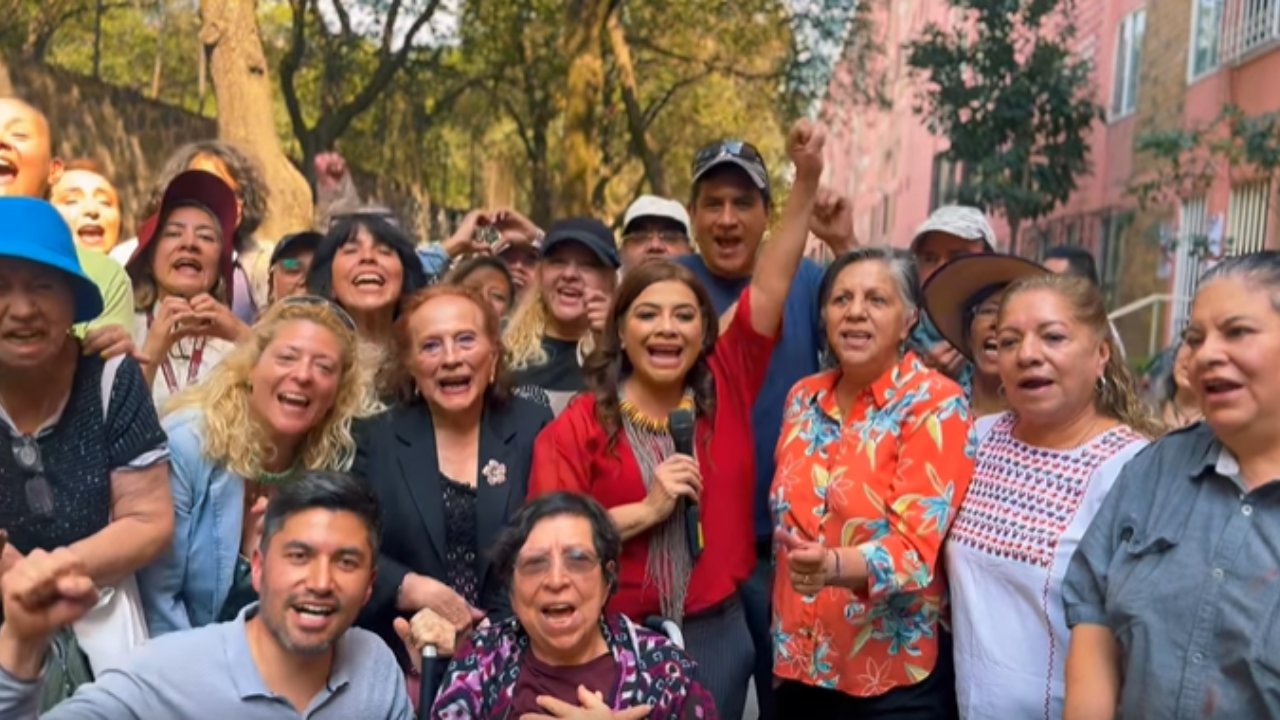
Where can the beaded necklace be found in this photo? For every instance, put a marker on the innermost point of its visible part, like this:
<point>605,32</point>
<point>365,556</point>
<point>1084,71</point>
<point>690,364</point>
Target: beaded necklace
<point>637,416</point>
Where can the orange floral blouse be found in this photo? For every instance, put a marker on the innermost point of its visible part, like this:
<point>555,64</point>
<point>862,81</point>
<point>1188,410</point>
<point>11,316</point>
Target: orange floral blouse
<point>887,481</point>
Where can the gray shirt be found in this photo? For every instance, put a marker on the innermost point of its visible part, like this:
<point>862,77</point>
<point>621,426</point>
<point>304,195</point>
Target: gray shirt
<point>1183,565</point>
<point>209,673</point>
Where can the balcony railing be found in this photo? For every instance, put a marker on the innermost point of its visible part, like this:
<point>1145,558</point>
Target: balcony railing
<point>1249,26</point>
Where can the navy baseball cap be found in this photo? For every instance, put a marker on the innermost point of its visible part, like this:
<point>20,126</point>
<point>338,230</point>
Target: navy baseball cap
<point>295,242</point>
<point>34,231</point>
<point>592,233</point>
<point>742,155</point>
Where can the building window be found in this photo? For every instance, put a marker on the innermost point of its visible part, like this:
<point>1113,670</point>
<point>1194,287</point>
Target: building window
<point>1206,28</point>
<point>1188,259</point>
<point>1247,217</point>
<point>945,188</point>
<point>1124,92</point>
<point>1248,26</point>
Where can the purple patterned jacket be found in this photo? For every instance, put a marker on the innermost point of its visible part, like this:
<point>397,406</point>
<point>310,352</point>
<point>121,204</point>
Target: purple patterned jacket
<point>481,681</point>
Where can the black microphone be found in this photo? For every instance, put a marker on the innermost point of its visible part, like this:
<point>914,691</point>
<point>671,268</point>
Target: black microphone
<point>680,423</point>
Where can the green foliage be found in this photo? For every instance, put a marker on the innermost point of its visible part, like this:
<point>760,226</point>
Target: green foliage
<point>478,117</point>
<point>1183,163</point>
<point>1004,85</point>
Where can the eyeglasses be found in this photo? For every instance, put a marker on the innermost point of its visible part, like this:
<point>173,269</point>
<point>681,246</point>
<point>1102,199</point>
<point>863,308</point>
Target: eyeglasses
<point>26,451</point>
<point>668,237</point>
<point>576,562</point>
<point>728,148</point>
<point>317,301</point>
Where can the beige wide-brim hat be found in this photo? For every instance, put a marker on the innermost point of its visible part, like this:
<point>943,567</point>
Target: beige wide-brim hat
<point>951,288</point>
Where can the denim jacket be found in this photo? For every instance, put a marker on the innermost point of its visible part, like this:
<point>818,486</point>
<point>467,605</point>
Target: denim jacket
<point>186,587</point>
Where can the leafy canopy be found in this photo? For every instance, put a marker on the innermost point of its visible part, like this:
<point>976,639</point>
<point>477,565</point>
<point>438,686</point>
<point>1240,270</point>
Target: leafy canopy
<point>1005,85</point>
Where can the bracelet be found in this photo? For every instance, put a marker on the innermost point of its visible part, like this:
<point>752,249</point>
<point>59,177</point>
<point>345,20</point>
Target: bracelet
<point>838,576</point>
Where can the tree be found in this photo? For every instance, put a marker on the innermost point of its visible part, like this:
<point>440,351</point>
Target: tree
<point>1186,162</point>
<point>242,85</point>
<point>358,62</point>
<point>1006,88</point>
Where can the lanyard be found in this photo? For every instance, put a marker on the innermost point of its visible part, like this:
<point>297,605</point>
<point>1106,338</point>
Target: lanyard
<point>193,367</point>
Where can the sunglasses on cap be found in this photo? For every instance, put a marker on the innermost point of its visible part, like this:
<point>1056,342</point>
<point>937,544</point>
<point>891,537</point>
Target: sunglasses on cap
<point>317,301</point>
<point>728,148</point>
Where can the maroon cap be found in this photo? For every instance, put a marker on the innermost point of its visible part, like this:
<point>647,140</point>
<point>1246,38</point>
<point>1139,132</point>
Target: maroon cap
<point>199,189</point>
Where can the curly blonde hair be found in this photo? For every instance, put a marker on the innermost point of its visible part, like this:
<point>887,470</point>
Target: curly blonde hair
<point>1117,395</point>
<point>233,438</point>
<point>528,326</point>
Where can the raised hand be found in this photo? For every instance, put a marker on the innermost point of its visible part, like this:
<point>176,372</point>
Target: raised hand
<point>45,592</point>
<point>832,220</point>
<point>465,240</point>
<point>597,302</point>
<point>508,220</point>
<point>330,169</point>
<point>173,320</point>
<point>804,145</point>
<point>109,341</point>
<point>217,318</point>
<point>809,564</point>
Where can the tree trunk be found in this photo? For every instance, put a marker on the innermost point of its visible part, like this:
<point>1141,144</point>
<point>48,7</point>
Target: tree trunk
<point>585,25</point>
<point>1014,222</point>
<point>640,141</point>
<point>242,86</point>
<point>542,206</point>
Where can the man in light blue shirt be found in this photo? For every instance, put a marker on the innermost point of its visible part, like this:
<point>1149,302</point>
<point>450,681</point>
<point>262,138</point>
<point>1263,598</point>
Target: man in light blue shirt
<point>292,655</point>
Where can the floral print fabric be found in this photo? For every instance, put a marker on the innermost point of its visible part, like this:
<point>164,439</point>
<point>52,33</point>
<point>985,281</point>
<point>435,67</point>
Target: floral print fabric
<point>887,480</point>
<point>481,680</point>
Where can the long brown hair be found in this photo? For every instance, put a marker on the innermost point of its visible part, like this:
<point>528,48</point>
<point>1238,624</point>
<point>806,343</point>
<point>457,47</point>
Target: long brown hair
<point>1117,396</point>
<point>608,364</point>
<point>499,390</point>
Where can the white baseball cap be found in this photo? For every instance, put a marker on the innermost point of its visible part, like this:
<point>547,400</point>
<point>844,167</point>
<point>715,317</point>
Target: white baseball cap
<point>654,206</point>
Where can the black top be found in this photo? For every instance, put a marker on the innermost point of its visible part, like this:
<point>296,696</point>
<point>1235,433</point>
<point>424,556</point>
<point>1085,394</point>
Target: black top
<point>78,454</point>
<point>556,381</point>
<point>396,455</point>
<point>460,536</point>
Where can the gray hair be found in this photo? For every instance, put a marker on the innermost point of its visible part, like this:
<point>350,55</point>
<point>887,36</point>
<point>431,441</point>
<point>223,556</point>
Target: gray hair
<point>1262,268</point>
<point>902,267</point>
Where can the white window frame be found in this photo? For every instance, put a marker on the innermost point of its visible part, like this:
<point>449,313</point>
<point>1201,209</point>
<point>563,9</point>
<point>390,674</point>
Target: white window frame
<point>1197,17</point>
<point>1124,87</point>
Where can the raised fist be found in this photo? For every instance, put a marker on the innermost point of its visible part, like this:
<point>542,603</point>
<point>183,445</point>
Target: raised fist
<point>804,145</point>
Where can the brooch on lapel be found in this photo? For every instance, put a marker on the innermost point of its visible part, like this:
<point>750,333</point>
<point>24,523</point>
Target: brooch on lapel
<point>495,473</point>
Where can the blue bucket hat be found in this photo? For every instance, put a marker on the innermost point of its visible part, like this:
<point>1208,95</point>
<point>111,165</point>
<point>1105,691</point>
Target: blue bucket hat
<point>32,230</point>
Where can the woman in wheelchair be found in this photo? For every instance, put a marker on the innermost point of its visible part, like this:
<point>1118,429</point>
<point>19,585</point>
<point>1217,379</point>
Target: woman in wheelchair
<point>561,652</point>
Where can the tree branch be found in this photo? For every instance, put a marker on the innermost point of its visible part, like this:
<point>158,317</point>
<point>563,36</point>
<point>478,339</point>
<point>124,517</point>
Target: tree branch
<point>713,64</point>
<point>340,118</point>
<point>651,112</point>
<point>389,26</point>
<point>289,65</point>
<point>344,18</point>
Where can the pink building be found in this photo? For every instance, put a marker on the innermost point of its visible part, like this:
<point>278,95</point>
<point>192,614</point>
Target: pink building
<point>1153,60</point>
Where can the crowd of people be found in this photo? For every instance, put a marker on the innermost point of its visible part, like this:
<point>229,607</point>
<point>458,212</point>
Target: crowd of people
<point>617,476</point>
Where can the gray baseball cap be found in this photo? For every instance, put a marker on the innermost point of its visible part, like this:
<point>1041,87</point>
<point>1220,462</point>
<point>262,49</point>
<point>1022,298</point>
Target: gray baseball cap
<point>961,221</point>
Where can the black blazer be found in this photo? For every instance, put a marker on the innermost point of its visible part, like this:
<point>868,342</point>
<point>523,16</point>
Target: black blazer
<point>396,455</point>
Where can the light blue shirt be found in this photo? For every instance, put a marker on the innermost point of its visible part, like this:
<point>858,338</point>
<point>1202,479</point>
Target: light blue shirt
<point>435,261</point>
<point>185,587</point>
<point>210,673</point>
